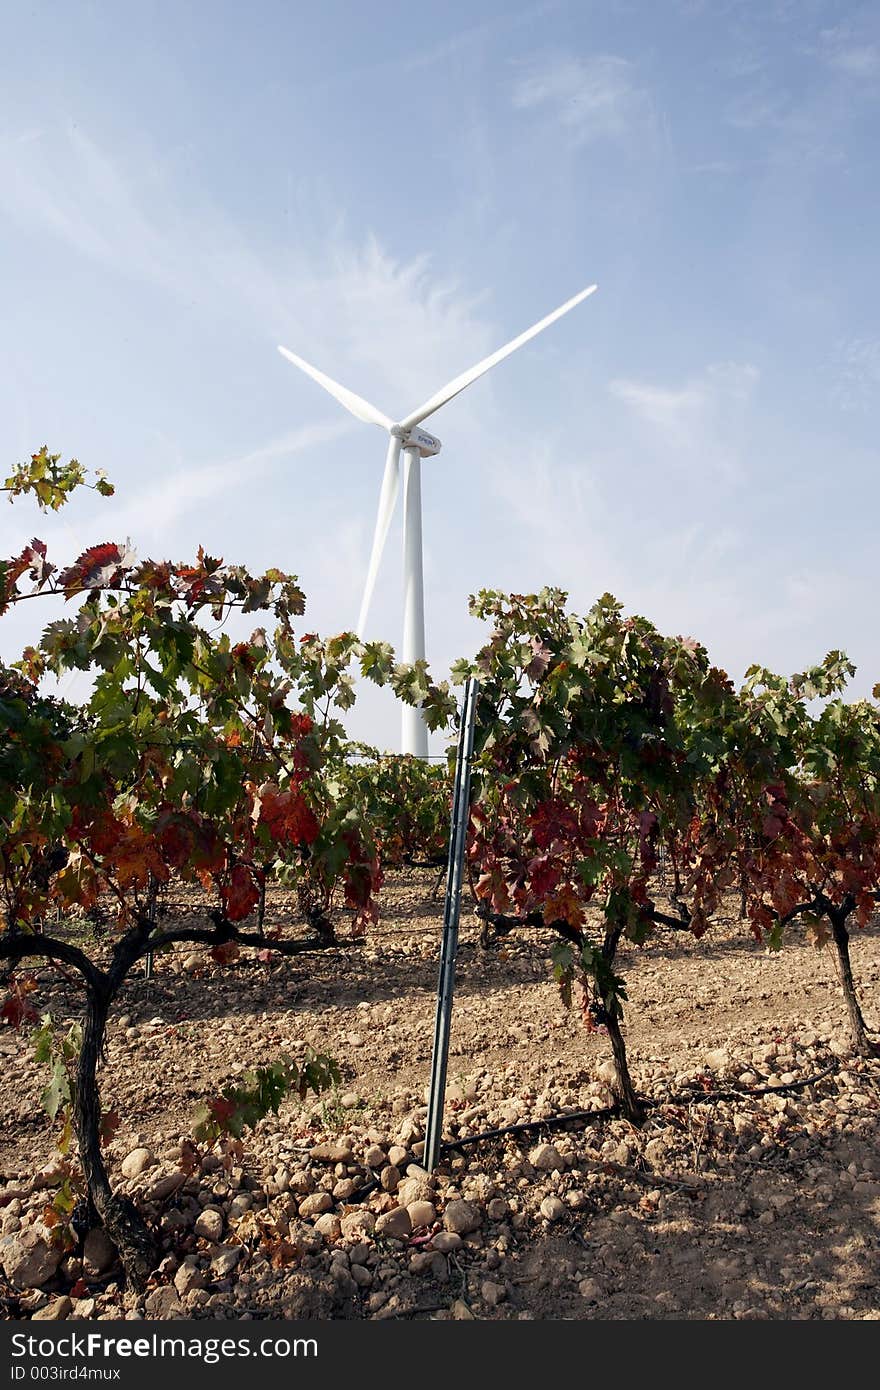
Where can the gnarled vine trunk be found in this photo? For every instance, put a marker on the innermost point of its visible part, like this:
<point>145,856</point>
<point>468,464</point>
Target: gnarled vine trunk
<point>857,1030</point>
<point>123,1223</point>
<point>626,1091</point>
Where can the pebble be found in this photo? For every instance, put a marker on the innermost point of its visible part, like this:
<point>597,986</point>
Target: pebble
<point>493,1293</point>
<point>606,1072</point>
<point>99,1252</point>
<point>137,1162</point>
<point>552,1209</point>
<point>163,1303</point>
<point>27,1259</point>
<point>413,1190</point>
<point>163,1187</point>
<point>315,1204</point>
<point>356,1225</point>
<point>446,1241</point>
<point>395,1223</point>
<point>655,1151</point>
<point>389,1178</point>
<point>189,1277</point>
<point>225,1260</point>
<point>56,1310</point>
<point>329,1225</point>
<point>461,1218</point>
<point>546,1158</point>
<point>332,1153</point>
<point>421,1213</point>
<point>209,1224</point>
<point>345,1189</point>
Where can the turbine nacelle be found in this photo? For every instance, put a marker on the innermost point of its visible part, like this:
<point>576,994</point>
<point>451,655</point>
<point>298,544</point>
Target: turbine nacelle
<point>416,438</point>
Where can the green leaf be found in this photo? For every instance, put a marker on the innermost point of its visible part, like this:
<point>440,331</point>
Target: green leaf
<point>775,936</point>
<point>57,1093</point>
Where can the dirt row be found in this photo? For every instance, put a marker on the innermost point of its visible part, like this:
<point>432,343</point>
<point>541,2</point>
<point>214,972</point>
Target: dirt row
<point>739,1207</point>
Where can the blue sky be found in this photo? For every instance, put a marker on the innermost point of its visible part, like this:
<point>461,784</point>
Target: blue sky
<point>395,189</point>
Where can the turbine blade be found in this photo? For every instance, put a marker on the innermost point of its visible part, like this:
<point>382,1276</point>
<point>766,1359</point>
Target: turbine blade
<point>387,499</point>
<point>459,383</point>
<point>356,404</point>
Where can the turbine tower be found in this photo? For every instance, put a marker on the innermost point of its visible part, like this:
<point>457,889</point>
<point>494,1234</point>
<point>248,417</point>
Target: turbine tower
<point>408,437</point>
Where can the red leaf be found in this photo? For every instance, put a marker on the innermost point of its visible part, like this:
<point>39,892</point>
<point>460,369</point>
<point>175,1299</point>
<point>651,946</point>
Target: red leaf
<point>102,830</point>
<point>222,1111</point>
<point>541,658</point>
<point>564,905</point>
<point>545,872</point>
<point>287,815</point>
<point>17,1011</point>
<point>648,829</point>
<point>176,840</point>
<point>241,895</point>
<point>135,856</point>
<point>225,953</point>
<point>110,1123</point>
<point>553,822</point>
<point>32,558</point>
<point>98,566</point>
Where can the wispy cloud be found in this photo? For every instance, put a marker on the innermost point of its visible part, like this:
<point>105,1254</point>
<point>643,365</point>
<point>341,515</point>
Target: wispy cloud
<point>593,98</point>
<point>440,53</point>
<point>693,420</point>
<point>398,326</point>
<point>764,105</point>
<point>401,329</point>
<point>155,509</point>
<point>475,35</point>
<point>64,183</point>
<point>856,367</point>
<point>850,50</point>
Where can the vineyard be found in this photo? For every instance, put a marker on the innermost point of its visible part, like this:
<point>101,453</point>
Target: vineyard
<point>219,941</point>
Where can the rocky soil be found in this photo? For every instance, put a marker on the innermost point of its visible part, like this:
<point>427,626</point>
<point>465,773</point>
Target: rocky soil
<point>725,1204</point>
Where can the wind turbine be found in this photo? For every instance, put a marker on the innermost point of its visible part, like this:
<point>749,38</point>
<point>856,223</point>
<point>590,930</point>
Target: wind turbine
<point>416,444</point>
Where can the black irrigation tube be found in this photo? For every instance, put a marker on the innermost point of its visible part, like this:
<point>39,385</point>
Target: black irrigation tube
<point>611,1112</point>
<point>746,1093</point>
<point>586,1117</point>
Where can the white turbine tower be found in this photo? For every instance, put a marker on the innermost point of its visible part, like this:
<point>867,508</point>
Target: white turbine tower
<point>416,444</point>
